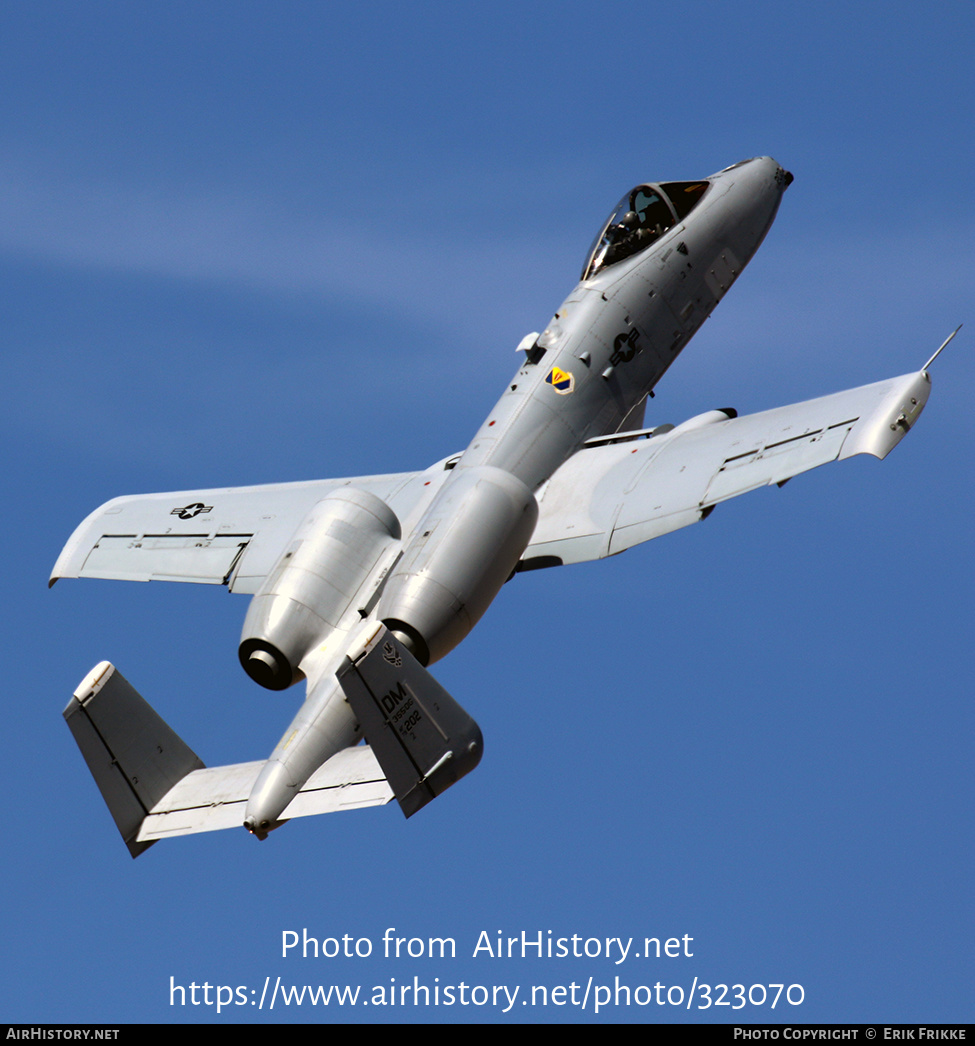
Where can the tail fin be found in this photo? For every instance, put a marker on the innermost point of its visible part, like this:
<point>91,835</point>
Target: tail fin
<point>423,739</point>
<point>133,755</point>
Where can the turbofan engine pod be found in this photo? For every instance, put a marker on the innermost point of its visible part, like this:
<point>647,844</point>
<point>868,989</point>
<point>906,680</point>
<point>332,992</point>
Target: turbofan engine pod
<point>333,552</point>
<point>462,553</point>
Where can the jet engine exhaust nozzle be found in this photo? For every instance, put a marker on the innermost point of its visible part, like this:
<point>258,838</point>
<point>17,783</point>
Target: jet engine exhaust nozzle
<point>266,665</point>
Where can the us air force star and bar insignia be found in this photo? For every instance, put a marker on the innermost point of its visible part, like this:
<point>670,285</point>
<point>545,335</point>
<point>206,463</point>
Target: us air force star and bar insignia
<point>191,510</point>
<point>625,346</point>
<point>561,380</point>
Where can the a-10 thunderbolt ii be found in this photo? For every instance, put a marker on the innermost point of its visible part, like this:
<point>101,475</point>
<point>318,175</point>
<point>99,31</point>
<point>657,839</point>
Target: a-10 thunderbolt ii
<point>359,584</point>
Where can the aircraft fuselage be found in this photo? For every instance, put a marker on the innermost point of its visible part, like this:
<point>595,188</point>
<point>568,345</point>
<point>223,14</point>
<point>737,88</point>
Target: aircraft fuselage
<point>619,330</point>
<point>587,375</point>
<point>663,261</point>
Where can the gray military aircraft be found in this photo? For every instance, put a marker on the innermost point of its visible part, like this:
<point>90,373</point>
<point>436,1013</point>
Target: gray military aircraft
<point>359,584</point>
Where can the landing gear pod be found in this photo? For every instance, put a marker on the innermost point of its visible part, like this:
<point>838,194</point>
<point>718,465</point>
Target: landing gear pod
<point>313,584</point>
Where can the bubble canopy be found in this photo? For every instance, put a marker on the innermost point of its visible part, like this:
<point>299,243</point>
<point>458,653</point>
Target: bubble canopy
<point>643,215</point>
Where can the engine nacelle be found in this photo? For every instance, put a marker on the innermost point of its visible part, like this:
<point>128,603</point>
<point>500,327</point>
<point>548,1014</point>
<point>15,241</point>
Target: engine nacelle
<point>463,551</point>
<point>333,551</point>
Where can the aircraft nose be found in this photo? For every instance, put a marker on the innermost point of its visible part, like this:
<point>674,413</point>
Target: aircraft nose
<point>751,202</point>
<point>771,168</point>
<point>764,180</point>
<point>783,178</point>
<point>760,169</point>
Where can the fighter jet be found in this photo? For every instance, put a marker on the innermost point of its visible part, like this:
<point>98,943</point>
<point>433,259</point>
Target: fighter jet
<point>359,584</point>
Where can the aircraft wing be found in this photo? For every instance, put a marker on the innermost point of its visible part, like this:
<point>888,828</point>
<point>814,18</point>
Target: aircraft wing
<point>227,536</point>
<point>620,491</point>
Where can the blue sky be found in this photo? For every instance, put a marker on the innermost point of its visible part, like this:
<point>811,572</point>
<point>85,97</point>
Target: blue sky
<point>244,243</point>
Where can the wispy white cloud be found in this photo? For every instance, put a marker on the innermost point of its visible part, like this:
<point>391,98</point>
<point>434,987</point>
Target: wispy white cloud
<point>274,246</point>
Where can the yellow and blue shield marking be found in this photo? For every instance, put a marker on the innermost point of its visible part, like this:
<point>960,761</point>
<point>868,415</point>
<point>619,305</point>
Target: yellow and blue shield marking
<point>561,380</point>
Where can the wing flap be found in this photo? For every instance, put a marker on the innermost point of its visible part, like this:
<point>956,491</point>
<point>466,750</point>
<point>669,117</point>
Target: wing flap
<point>165,557</point>
<point>609,497</point>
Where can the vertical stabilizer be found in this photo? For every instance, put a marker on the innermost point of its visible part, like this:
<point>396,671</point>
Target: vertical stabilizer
<point>133,755</point>
<point>423,739</point>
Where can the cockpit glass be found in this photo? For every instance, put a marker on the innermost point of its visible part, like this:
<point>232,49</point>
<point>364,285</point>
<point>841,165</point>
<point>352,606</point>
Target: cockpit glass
<point>640,218</point>
<point>684,196</point>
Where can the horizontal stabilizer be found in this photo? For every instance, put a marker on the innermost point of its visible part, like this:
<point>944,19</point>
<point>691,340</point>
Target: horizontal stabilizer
<point>215,798</point>
<point>156,787</point>
<point>423,739</point>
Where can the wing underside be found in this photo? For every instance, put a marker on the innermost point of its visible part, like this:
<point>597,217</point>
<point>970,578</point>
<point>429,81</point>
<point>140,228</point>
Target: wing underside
<point>225,536</point>
<point>618,492</point>
<point>622,491</point>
